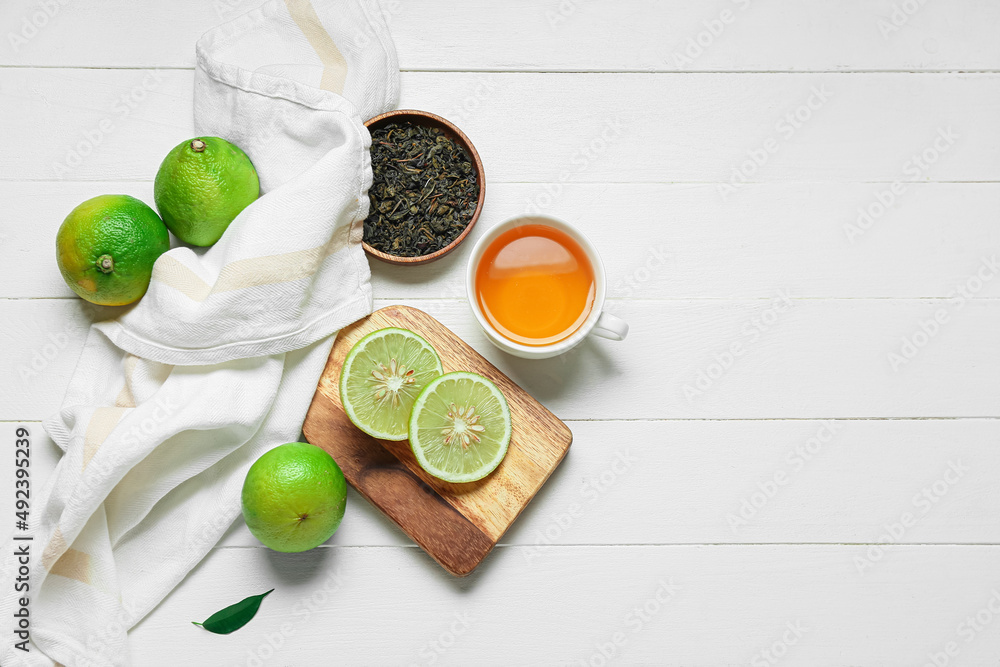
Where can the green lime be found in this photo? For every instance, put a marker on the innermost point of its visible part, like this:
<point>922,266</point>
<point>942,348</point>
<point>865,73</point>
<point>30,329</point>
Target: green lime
<point>382,376</point>
<point>201,187</point>
<point>460,427</point>
<point>294,497</point>
<point>106,247</point>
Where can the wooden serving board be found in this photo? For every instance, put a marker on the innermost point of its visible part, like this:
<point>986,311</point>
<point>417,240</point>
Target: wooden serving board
<point>457,524</point>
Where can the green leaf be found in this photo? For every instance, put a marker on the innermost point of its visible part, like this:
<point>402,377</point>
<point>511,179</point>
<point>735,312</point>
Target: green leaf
<point>234,616</point>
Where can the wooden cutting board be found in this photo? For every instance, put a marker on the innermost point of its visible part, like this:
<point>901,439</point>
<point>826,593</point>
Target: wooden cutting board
<point>457,524</point>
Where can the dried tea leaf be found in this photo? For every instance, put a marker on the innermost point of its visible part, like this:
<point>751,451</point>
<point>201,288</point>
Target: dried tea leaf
<point>424,191</point>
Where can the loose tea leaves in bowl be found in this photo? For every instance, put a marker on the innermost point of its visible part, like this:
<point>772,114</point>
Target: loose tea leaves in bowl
<point>424,192</point>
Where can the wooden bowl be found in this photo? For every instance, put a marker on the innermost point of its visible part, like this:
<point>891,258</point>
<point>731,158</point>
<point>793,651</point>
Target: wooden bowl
<point>452,132</point>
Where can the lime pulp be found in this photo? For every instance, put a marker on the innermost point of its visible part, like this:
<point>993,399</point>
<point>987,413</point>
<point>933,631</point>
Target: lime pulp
<point>460,427</point>
<point>381,378</point>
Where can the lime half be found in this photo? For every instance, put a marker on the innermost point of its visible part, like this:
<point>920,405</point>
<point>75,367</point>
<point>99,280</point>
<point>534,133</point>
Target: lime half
<point>382,375</point>
<point>460,427</point>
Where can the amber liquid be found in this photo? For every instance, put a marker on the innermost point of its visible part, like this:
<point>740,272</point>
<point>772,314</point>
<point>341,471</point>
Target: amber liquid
<point>535,285</point>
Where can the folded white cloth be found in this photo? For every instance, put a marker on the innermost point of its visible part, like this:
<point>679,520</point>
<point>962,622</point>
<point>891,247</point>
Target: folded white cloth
<point>172,402</point>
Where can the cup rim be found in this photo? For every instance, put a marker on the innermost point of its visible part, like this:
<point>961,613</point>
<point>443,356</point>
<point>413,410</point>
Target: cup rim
<point>600,284</point>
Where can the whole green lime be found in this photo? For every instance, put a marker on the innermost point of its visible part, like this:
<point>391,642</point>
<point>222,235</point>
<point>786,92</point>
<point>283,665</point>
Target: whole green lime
<point>201,186</point>
<point>106,247</point>
<point>294,497</point>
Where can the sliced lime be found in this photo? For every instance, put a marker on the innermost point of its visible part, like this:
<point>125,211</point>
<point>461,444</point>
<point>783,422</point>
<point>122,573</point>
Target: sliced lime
<point>382,375</point>
<point>460,427</point>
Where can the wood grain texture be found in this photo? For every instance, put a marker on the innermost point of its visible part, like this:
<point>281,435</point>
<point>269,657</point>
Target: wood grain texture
<point>683,241</point>
<point>382,479</point>
<point>822,358</point>
<point>393,606</point>
<point>555,595</point>
<point>599,128</point>
<point>695,480</point>
<point>457,524</point>
<point>574,35</point>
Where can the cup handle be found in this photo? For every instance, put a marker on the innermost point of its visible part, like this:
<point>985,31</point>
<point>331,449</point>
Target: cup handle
<point>610,327</point>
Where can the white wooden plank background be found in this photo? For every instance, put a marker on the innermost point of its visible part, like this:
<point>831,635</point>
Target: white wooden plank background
<point>611,127</point>
<point>839,491</point>
<point>730,495</point>
<point>821,358</point>
<point>576,35</point>
<point>685,241</point>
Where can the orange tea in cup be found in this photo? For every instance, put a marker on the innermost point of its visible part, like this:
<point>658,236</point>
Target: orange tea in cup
<point>535,285</point>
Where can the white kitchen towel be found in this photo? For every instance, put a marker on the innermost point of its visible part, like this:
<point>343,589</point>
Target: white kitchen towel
<point>172,401</point>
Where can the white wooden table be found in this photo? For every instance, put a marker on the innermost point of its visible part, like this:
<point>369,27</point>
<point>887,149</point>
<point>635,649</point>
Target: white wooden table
<point>814,182</point>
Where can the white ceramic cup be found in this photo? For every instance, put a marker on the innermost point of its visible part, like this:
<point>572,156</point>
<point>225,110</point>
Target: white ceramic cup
<point>598,322</point>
